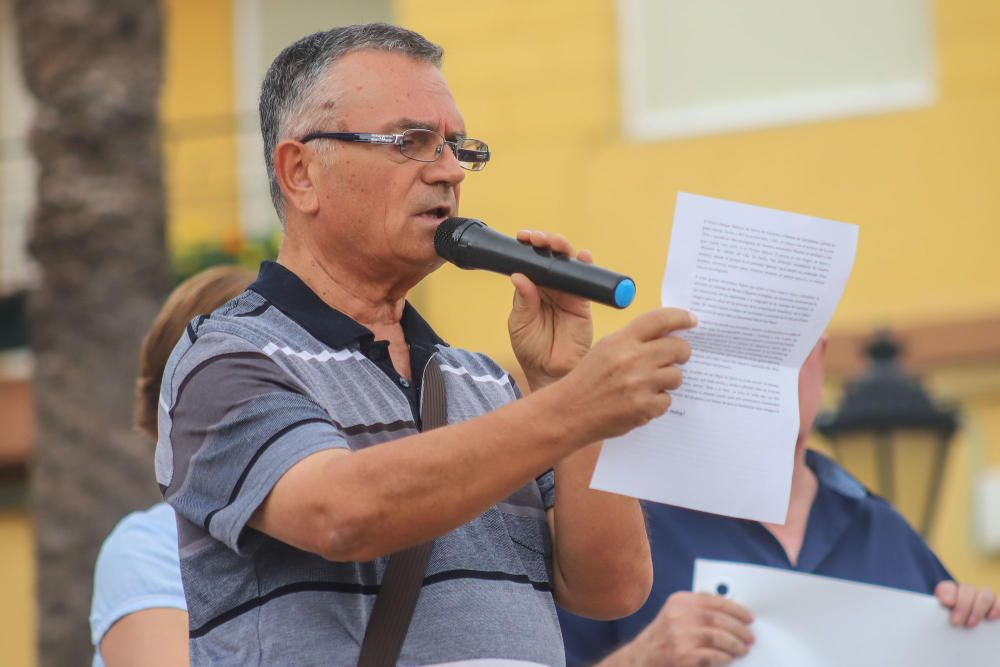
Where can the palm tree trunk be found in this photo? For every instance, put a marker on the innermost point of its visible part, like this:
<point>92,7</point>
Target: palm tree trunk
<point>95,68</point>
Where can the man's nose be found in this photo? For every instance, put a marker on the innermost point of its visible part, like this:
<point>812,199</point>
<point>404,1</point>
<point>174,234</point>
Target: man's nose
<point>446,168</point>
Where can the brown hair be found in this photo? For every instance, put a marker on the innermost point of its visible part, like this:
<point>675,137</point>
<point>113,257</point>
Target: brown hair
<point>198,295</point>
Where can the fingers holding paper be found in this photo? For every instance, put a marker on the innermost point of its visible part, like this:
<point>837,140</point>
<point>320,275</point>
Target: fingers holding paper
<point>623,382</point>
<point>691,629</point>
<point>968,604</point>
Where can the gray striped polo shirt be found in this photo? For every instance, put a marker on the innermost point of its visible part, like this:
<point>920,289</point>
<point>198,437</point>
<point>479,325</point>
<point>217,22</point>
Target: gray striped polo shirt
<point>274,376</point>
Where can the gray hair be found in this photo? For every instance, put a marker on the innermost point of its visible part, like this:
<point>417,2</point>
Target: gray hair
<point>287,94</point>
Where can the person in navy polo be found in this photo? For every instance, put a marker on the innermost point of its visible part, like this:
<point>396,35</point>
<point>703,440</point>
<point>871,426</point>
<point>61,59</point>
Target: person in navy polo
<point>835,528</point>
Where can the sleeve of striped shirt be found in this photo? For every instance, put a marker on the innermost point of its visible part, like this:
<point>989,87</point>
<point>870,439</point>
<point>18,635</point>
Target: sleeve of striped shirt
<point>236,422</point>
<point>547,486</point>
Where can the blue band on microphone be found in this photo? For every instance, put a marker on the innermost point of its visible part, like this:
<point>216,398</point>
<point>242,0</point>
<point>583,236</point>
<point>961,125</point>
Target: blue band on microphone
<point>624,293</point>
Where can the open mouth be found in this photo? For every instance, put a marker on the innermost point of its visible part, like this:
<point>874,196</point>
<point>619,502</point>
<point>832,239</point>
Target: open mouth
<point>437,213</point>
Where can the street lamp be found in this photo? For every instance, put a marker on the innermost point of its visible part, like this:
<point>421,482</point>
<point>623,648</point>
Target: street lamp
<point>889,434</point>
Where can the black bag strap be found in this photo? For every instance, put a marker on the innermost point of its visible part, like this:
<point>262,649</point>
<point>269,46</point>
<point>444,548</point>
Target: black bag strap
<point>404,574</point>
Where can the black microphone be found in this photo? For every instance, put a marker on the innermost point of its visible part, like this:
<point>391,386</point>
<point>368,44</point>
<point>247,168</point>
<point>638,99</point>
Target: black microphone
<point>470,244</point>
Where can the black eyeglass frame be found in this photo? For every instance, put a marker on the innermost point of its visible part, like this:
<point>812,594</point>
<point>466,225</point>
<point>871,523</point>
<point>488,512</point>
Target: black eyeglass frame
<point>461,154</point>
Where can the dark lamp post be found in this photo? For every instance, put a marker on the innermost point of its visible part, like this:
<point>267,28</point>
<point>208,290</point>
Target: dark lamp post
<point>888,433</point>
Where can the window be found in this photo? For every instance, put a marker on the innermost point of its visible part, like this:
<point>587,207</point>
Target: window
<point>692,67</point>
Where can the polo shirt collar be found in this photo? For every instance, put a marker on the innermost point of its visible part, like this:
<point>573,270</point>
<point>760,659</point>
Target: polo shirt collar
<point>838,500</point>
<point>833,477</point>
<point>288,293</point>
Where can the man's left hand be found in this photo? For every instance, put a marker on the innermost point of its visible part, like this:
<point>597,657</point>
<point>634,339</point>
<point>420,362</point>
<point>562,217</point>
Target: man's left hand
<point>969,605</point>
<point>550,331</point>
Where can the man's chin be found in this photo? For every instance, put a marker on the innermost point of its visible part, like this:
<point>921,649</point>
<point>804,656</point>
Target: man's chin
<point>425,264</point>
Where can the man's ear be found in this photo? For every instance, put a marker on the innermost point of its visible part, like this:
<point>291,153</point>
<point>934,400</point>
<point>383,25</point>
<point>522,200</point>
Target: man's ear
<point>291,168</point>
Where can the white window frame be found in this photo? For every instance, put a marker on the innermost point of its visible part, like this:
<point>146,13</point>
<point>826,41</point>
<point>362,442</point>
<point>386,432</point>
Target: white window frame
<point>18,171</point>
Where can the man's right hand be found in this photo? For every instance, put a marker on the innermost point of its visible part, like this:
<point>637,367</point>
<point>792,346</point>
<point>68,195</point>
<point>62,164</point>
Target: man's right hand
<point>622,382</point>
<point>691,630</point>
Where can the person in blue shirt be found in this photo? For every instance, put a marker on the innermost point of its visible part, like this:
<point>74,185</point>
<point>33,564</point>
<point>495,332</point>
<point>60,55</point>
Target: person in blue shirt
<point>835,528</point>
<point>138,615</point>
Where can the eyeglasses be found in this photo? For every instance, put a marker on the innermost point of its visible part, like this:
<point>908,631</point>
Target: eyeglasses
<point>418,144</point>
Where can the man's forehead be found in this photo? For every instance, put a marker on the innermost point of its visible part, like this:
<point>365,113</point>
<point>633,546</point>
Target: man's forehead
<point>388,88</point>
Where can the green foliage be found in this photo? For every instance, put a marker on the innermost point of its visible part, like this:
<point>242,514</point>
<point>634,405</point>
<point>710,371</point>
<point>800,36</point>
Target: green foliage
<point>249,253</point>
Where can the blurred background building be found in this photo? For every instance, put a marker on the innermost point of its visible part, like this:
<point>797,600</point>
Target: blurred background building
<point>884,113</point>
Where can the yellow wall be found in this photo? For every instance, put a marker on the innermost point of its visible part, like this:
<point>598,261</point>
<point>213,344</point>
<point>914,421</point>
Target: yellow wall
<point>196,106</point>
<point>17,577</point>
<point>539,82</point>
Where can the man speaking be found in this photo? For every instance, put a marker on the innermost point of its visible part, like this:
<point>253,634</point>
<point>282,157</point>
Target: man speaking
<point>298,442</point>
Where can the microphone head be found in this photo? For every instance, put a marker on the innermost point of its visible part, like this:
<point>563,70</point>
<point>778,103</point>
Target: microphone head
<point>447,236</point>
